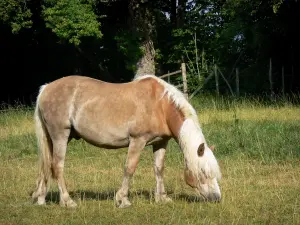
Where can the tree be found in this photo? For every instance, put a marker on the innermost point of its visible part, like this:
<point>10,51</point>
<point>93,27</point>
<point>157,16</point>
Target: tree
<point>15,14</point>
<point>142,23</point>
<point>113,39</point>
<point>71,20</point>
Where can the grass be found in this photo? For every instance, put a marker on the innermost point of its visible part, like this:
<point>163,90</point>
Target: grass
<point>257,146</point>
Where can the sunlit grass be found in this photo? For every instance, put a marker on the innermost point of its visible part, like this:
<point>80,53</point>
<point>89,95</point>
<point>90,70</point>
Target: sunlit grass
<point>16,121</point>
<point>257,147</point>
<point>282,114</point>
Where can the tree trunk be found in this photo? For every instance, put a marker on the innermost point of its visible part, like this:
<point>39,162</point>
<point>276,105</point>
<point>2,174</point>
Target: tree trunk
<point>146,64</point>
<point>181,13</point>
<point>173,14</point>
<point>142,22</point>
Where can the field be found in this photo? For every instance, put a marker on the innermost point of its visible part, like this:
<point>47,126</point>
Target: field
<point>257,146</point>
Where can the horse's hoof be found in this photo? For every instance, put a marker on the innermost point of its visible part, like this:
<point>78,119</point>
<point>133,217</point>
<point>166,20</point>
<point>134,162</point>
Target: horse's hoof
<point>162,198</point>
<point>69,203</point>
<point>124,203</point>
<point>41,202</point>
<point>38,200</point>
<point>34,196</point>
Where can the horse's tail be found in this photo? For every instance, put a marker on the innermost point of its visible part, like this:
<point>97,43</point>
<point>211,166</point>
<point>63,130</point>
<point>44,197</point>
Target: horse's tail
<point>44,141</point>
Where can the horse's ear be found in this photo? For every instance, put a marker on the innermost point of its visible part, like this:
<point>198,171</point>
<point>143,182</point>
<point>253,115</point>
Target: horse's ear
<point>212,147</point>
<point>200,150</point>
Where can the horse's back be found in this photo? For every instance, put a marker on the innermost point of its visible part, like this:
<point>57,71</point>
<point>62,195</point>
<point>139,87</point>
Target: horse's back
<point>66,85</point>
<point>103,113</point>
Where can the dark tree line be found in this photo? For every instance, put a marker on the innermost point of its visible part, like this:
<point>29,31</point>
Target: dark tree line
<point>113,40</point>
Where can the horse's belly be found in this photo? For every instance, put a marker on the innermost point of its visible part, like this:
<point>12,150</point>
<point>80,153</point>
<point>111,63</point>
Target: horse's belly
<point>105,138</point>
<point>108,145</point>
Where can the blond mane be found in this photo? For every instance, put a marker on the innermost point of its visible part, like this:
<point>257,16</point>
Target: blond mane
<point>175,96</point>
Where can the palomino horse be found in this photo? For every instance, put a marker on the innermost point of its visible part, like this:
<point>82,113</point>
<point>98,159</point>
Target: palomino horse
<point>146,111</point>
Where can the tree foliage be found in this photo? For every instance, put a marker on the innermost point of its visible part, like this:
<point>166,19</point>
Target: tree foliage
<point>106,38</point>
<point>71,20</point>
<point>16,14</point>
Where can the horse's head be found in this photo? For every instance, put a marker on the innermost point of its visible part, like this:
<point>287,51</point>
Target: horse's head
<point>203,174</point>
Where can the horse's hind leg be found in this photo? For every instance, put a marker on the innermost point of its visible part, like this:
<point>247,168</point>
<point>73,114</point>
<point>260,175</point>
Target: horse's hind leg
<point>133,156</point>
<point>39,195</point>
<point>159,151</point>
<point>59,152</point>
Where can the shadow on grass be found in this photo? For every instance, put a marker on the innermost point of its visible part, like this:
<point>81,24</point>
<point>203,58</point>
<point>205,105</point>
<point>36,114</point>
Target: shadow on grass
<point>175,197</point>
<point>53,196</point>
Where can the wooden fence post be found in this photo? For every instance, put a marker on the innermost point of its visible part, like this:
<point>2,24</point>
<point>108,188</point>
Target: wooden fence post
<point>217,79</point>
<point>230,89</point>
<point>237,82</point>
<point>184,80</point>
<point>282,80</point>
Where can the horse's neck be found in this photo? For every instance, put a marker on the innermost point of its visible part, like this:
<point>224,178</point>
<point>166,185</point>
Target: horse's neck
<point>185,130</point>
<point>175,120</point>
<point>190,136</point>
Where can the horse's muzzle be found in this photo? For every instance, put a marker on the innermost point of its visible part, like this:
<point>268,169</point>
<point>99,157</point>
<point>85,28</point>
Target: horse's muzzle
<point>213,197</point>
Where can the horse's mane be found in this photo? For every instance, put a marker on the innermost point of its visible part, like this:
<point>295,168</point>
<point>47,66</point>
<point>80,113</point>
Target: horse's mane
<point>191,135</point>
<point>176,96</point>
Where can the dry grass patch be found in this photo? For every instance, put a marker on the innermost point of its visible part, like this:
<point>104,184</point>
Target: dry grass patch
<point>252,193</point>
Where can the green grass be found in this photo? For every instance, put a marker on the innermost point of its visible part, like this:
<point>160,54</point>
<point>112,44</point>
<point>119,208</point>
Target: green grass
<point>257,145</point>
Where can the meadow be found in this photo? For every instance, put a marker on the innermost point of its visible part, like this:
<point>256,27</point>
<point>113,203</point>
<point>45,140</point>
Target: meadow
<point>257,144</point>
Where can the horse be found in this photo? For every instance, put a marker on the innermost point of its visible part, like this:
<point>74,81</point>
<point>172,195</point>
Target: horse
<point>144,111</point>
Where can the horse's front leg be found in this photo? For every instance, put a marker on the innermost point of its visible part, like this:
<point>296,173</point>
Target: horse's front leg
<point>159,151</point>
<point>133,156</point>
